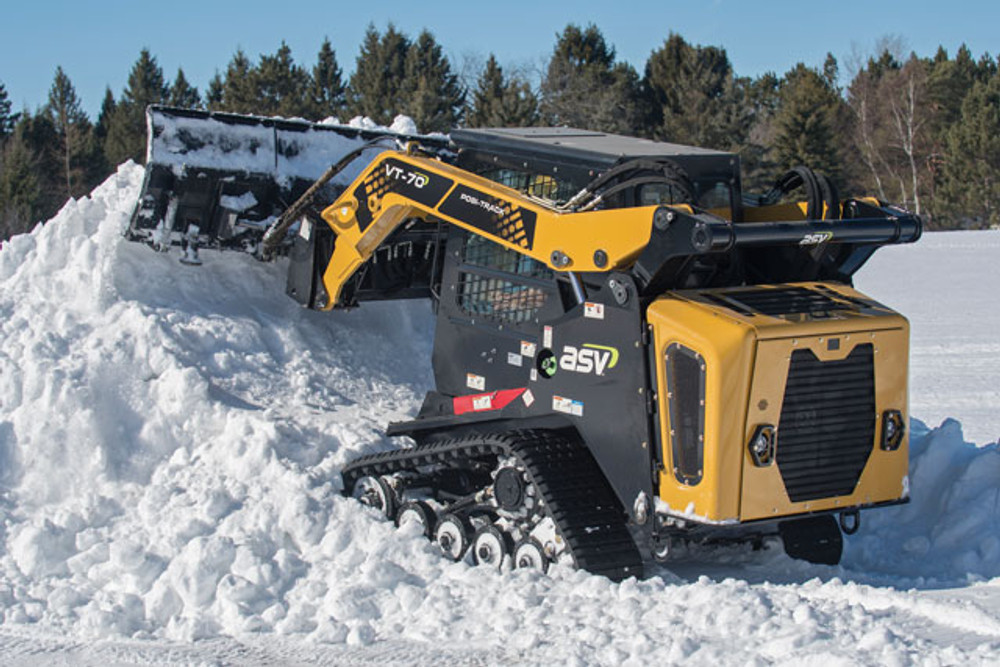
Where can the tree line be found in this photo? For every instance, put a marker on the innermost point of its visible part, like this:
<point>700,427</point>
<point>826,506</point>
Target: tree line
<point>923,132</point>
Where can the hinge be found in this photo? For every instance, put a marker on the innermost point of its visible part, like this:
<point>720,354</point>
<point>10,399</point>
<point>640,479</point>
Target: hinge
<point>651,402</point>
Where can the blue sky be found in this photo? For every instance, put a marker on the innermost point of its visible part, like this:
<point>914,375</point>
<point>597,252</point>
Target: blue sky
<point>97,42</point>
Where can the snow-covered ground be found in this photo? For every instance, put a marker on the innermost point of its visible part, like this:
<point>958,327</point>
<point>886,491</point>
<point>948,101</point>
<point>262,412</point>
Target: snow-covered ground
<point>169,445</point>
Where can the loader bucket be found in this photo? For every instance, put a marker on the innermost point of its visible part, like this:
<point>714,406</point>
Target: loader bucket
<point>219,179</point>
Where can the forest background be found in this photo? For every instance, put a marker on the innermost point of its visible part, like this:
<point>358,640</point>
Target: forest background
<point>922,131</point>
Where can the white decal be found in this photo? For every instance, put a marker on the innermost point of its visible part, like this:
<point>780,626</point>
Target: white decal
<point>482,203</point>
<point>514,359</point>
<point>484,402</point>
<point>816,238</point>
<point>414,178</point>
<point>473,381</point>
<point>534,375</point>
<point>528,397</point>
<point>593,310</point>
<point>588,359</point>
<point>527,348</point>
<point>567,405</point>
<point>547,337</point>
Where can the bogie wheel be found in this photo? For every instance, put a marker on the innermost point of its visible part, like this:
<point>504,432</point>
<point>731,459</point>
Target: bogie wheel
<point>490,546</point>
<point>418,512</point>
<point>452,535</point>
<point>666,548</point>
<point>529,554</point>
<point>375,492</point>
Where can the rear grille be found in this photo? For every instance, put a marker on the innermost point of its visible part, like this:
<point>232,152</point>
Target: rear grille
<point>827,426</point>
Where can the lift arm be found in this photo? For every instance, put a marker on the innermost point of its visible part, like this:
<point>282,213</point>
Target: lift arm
<point>654,242</point>
<point>397,187</point>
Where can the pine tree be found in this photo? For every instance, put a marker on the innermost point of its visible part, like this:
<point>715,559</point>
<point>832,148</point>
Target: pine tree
<point>126,138</point>
<point>183,94</point>
<point>214,95</point>
<point>431,93</point>
<point>761,97</point>
<point>584,87</point>
<point>694,96</point>
<point>282,86</point>
<point>73,133</point>
<point>498,102</point>
<point>805,123</point>
<point>971,184</point>
<point>7,119</point>
<point>20,191</point>
<point>327,84</point>
<point>108,106</point>
<point>239,87</point>
<point>375,88</point>
<point>30,183</point>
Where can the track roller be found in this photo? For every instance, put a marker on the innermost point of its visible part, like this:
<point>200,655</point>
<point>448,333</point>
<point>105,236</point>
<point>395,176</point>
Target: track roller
<point>420,513</point>
<point>375,492</point>
<point>453,535</point>
<point>529,554</point>
<point>490,546</point>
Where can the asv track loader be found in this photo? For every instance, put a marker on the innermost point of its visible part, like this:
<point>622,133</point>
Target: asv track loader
<point>629,352</point>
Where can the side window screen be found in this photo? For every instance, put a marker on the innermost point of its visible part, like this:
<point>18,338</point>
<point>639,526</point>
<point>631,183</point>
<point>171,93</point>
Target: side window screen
<point>504,299</point>
<point>654,194</point>
<point>714,195</point>
<point>686,403</point>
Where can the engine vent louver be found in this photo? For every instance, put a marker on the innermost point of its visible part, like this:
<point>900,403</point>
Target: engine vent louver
<point>776,302</point>
<point>827,427</point>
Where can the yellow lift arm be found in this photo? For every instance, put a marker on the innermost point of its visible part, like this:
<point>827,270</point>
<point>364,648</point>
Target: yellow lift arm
<point>397,187</point>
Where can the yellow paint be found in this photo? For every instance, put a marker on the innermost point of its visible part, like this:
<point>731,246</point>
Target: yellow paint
<point>747,360</point>
<point>577,235</point>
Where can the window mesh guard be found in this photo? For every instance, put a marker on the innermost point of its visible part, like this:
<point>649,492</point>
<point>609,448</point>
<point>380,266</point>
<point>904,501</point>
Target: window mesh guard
<point>500,298</point>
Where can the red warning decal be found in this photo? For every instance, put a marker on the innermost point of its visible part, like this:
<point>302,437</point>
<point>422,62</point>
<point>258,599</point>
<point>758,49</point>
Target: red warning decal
<point>493,400</point>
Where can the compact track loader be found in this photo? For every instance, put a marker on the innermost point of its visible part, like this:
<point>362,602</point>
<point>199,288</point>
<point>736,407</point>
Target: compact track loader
<point>629,354</point>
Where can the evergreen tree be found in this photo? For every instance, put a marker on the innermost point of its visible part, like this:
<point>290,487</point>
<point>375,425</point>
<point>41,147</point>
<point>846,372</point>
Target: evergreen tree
<point>30,183</point>
<point>239,86</point>
<point>7,119</point>
<point>584,87</point>
<point>695,98</point>
<point>431,93</point>
<point>805,123</point>
<point>214,95</point>
<point>108,106</point>
<point>971,184</point>
<point>73,134</point>
<point>20,191</point>
<point>126,138</point>
<point>282,86</point>
<point>762,98</point>
<point>375,88</point>
<point>498,102</point>
<point>327,84</point>
<point>183,94</point>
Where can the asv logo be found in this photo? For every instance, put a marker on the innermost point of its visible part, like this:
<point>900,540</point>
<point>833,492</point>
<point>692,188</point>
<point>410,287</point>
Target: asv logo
<point>816,239</point>
<point>588,359</point>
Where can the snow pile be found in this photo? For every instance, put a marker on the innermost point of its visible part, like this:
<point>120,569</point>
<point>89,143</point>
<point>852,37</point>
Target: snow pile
<point>170,439</point>
<point>951,527</point>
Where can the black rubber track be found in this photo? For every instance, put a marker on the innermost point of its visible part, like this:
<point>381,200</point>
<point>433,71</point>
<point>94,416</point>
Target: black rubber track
<point>577,496</point>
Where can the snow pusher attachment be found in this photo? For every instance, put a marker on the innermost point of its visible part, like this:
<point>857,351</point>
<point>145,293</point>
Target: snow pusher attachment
<point>629,350</point>
<point>219,179</point>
